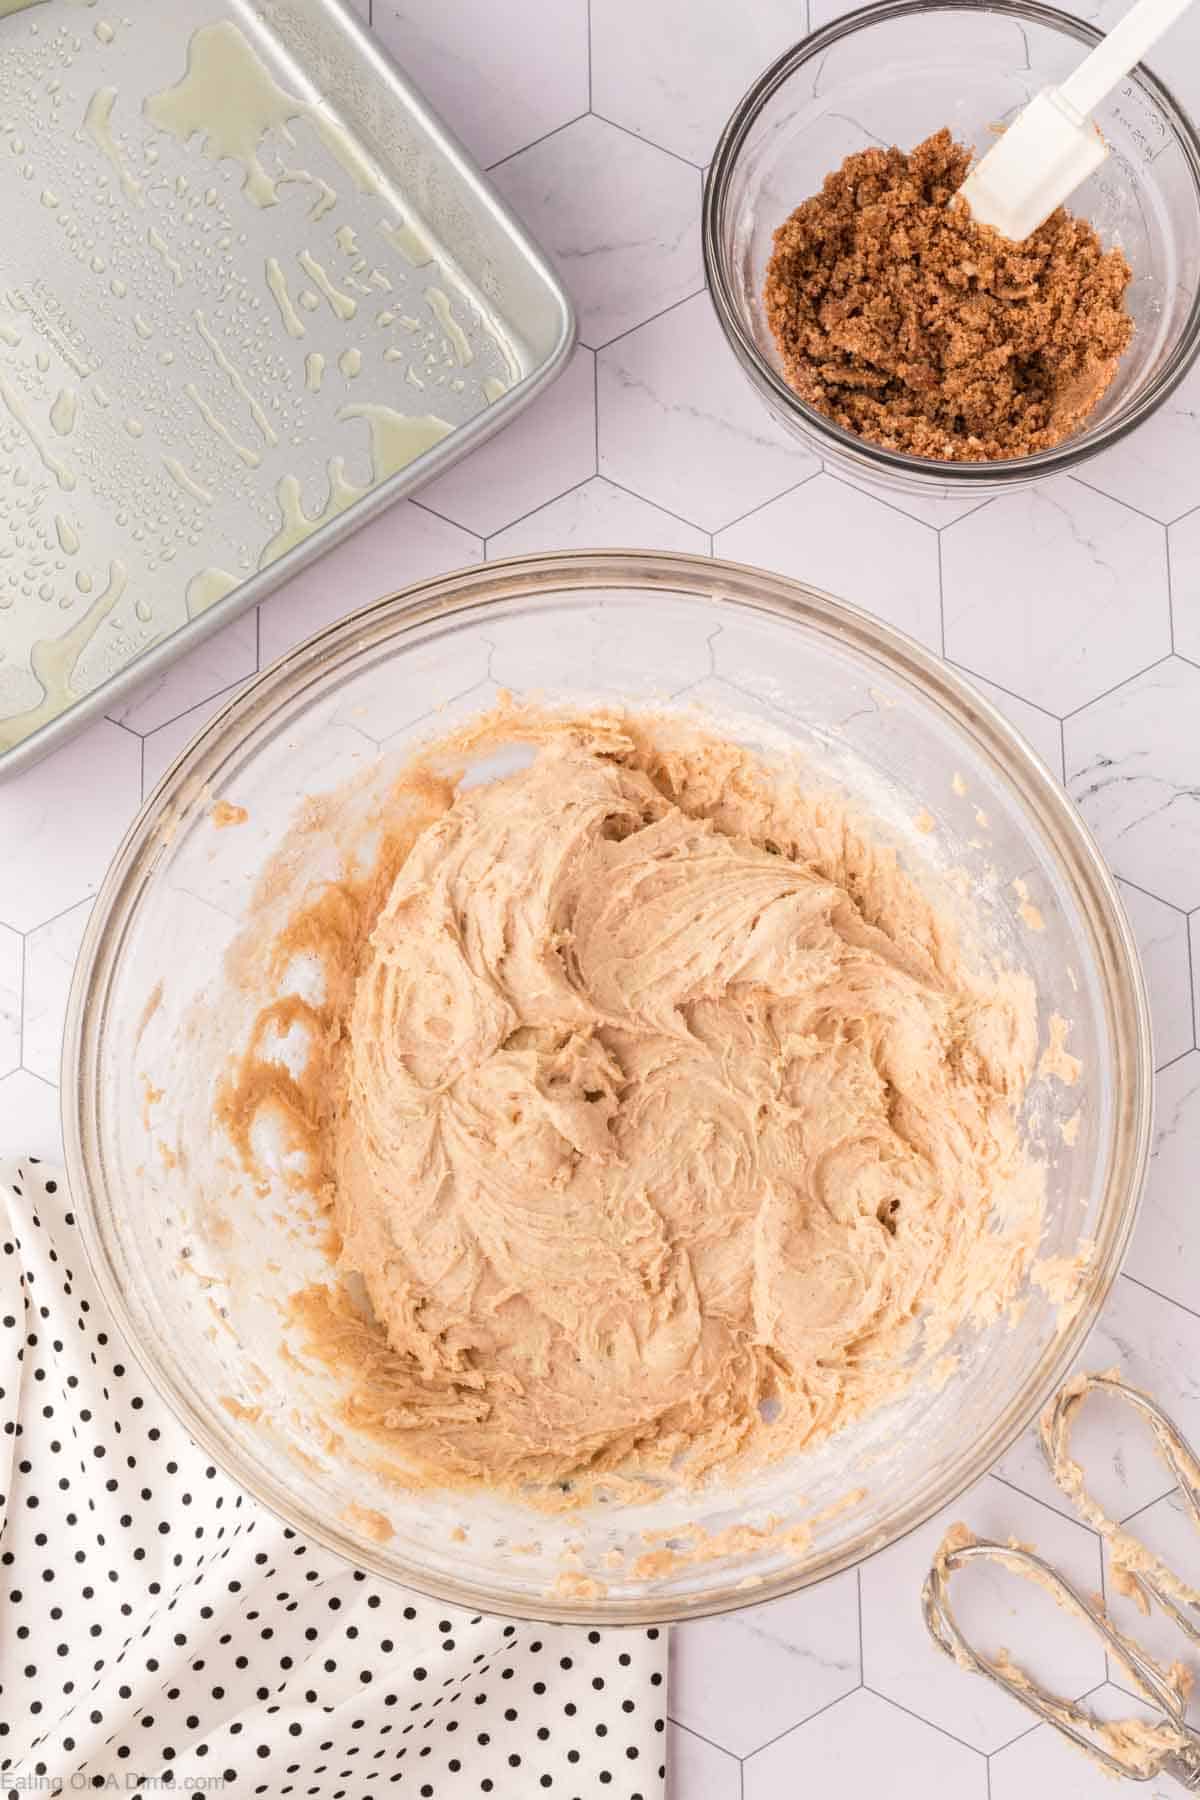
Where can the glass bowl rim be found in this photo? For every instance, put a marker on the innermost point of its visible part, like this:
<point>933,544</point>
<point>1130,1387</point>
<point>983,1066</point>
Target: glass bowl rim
<point>892,463</point>
<point>443,600</point>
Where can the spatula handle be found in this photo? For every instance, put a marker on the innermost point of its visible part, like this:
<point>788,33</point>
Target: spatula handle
<point>1117,53</point>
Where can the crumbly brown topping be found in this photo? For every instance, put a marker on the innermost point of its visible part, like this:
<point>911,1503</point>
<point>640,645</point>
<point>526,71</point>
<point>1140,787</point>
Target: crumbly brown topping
<point>907,323</point>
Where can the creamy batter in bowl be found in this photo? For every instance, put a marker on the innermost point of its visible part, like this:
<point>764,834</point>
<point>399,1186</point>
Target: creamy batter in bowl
<point>203,1259</point>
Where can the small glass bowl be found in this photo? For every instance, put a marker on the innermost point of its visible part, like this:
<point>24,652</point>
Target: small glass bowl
<point>152,1021</point>
<point>892,74</point>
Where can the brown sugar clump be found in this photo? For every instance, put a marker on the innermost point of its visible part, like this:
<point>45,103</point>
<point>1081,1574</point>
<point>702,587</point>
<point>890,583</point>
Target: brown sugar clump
<point>905,322</point>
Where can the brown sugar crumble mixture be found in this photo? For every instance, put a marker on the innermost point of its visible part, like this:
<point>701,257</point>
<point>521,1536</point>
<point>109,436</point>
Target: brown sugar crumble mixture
<point>905,322</point>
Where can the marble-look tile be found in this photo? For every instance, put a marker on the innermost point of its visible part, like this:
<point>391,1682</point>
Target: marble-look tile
<point>500,72</point>
<point>546,450</point>
<point>161,747</point>
<point>50,953</point>
<point>598,516</point>
<point>1156,468</point>
<point>11,953</point>
<point>822,12</point>
<point>900,1659</point>
<point>862,1749</point>
<point>1156,1346</point>
<point>1044,1763</point>
<point>697,1770</point>
<point>1132,771</point>
<point>1162,940</point>
<point>1040,729</point>
<point>939,509</point>
<point>1165,1253</point>
<point>1055,593</point>
<point>832,536</point>
<point>228,656</point>
<point>619,218</point>
<point>30,1122</point>
<point>1194,948</point>
<point>680,424</point>
<point>743,1678</point>
<point>61,821</point>
<point>1183,541</point>
<point>404,544</point>
<point>673,71</point>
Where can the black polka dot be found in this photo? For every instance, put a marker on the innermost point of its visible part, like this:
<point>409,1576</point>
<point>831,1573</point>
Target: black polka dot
<point>155,1522</point>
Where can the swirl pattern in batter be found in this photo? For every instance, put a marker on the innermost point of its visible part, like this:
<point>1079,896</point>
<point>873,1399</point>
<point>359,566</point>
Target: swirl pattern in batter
<point>666,1123</point>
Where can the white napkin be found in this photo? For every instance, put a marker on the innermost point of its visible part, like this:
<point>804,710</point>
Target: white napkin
<point>158,1627</point>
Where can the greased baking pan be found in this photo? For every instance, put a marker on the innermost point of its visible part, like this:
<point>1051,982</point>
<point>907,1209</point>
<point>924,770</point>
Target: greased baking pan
<point>251,292</point>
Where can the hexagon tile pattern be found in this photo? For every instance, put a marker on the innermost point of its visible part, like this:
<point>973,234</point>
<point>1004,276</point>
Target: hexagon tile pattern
<point>1156,1345</point>
<point>11,999</point>
<point>833,1751</point>
<point>1076,607</point>
<point>831,535</point>
<point>673,70</point>
<point>1184,541</point>
<point>744,1678</point>
<point>701,446</point>
<point>1134,772</point>
<point>620,218</point>
<point>502,72</point>
<point>1056,594</point>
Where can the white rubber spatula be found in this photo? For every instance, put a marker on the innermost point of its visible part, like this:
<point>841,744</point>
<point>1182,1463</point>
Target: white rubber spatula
<point>1053,146</point>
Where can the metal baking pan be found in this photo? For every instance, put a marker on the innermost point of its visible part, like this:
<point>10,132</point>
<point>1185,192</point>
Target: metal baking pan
<point>251,292</point>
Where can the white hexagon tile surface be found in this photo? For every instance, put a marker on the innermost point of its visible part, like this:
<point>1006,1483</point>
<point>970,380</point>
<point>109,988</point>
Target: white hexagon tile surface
<point>1076,607</point>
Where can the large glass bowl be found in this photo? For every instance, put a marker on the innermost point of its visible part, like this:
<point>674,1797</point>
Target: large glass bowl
<point>891,74</point>
<point>198,1267</point>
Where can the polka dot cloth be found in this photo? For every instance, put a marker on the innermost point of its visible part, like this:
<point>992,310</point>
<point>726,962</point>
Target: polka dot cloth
<point>158,1628</point>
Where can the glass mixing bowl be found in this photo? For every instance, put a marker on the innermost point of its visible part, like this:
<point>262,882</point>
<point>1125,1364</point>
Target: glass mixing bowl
<point>198,1266</point>
<point>893,73</point>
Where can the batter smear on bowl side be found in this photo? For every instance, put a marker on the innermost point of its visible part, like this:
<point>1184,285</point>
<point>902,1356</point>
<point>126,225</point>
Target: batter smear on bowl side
<point>660,1112</point>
